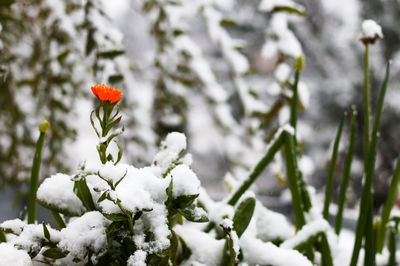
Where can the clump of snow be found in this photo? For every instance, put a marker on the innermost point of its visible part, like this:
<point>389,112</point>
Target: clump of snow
<point>185,181</point>
<point>226,223</point>
<point>32,236</point>
<point>306,232</point>
<point>173,146</point>
<point>371,29</point>
<point>87,232</point>
<point>282,72</point>
<point>9,255</point>
<point>141,189</point>
<point>257,252</point>
<point>138,259</point>
<point>271,225</point>
<point>205,249</point>
<point>112,173</point>
<point>57,191</point>
<point>15,226</point>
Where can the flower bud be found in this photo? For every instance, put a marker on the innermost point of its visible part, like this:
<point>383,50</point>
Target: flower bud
<point>44,126</point>
<point>299,63</point>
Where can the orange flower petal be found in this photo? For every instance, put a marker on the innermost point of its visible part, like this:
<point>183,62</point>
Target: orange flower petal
<point>106,94</point>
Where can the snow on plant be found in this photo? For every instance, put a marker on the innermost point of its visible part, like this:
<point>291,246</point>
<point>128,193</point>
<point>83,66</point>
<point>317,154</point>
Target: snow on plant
<point>118,214</point>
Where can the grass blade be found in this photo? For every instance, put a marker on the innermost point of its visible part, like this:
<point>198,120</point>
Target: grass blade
<point>291,169</point>
<point>346,173</point>
<point>35,172</point>
<point>273,149</point>
<point>329,183</point>
<point>366,198</point>
<point>389,203</point>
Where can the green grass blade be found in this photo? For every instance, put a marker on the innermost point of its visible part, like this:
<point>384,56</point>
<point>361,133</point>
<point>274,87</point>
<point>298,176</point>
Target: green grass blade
<point>291,169</point>
<point>366,108</point>
<point>35,172</point>
<point>329,183</point>
<point>366,198</point>
<point>295,100</point>
<point>346,173</point>
<point>273,149</point>
<point>389,203</point>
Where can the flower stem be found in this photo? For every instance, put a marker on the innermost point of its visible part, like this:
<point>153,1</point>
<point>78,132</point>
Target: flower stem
<point>35,179</point>
<point>367,107</point>
<point>366,211</point>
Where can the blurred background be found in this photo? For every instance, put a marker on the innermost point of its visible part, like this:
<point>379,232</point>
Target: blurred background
<point>218,70</point>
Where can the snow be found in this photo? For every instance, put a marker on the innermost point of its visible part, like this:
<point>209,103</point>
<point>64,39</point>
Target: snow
<point>16,226</point>
<point>282,72</point>
<point>371,29</point>
<point>138,258</point>
<point>205,249</point>
<point>10,255</point>
<point>171,148</point>
<point>83,233</point>
<point>32,236</point>
<point>185,181</point>
<point>226,223</point>
<point>57,190</point>
<point>112,173</point>
<point>271,225</point>
<point>257,252</point>
<point>141,189</point>
<point>306,232</point>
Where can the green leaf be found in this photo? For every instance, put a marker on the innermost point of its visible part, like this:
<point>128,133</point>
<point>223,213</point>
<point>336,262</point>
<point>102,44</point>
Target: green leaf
<point>82,191</point>
<point>116,217</point>
<point>54,253</point>
<point>243,215</point>
<point>110,54</point>
<point>190,215</point>
<point>227,22</point>
<point>46,232</point>
<point>182,202</point>
<point>102,197</point>
<point>290,10</point>
<point>115,78</point>
<point>185,251</point>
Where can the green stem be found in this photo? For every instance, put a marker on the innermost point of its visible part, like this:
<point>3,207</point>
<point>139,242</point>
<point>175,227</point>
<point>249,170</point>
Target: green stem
<point>389,203</point>
<point>366,198</point>
<point>346,174</point>
<point>292,174</point>
<point>59,220</point>
<point>294,102</point>
<point>392,245</point>
<point>273,149</point>
<point>326,251</point>
<point>35,179</point>
<point>329,184</point>
<point>367,107</point>
<point>2,236</point>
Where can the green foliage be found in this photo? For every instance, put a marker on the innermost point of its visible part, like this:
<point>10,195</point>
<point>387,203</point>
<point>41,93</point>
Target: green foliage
<point>243,215</point>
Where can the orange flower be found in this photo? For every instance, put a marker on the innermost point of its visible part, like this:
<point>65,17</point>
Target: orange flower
<point>105,93</point>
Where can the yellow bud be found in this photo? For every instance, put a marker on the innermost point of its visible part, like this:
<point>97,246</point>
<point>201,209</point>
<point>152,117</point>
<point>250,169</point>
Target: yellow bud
<point>44,126</point>
<point>299,63</point>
